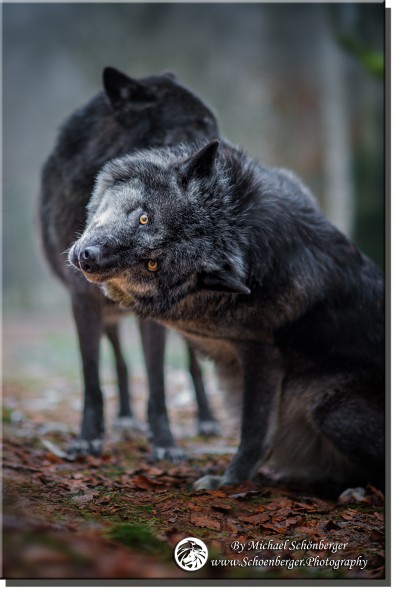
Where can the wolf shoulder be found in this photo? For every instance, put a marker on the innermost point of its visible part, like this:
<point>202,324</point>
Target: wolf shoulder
<point>285,184</point>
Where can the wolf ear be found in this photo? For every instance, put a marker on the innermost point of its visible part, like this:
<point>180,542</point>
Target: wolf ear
<point>201,164</point>
<point>222,281</point>
<point>170,75</point>
<point>121,90</point>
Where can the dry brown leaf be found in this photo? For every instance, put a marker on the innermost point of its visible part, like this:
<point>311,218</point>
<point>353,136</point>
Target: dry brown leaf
<point>205,521</point>
<point>145,483</point>
<point>257,518</point>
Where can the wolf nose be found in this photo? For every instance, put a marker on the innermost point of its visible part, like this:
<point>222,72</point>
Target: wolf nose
<point>89,259</point>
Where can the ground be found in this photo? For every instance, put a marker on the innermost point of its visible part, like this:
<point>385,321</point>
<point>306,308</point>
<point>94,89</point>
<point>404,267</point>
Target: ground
<point>121,515</point>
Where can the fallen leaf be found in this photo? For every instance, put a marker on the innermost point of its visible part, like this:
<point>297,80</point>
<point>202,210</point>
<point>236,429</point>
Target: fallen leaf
<point>375,496</point>
<point>205,521</point>
<point>269,527</point>
<point>145,483</point>
<point>349,515</point>
<point>258,518</point>
<point>232,526</point>
<point>215,493</point>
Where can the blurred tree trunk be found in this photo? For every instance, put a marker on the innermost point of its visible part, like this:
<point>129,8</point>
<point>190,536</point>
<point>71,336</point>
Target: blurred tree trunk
<point>336,144</point>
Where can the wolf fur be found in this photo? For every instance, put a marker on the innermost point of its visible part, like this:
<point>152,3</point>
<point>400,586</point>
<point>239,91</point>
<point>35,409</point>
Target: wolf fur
<point>250,270</point>
<point>127,115</point>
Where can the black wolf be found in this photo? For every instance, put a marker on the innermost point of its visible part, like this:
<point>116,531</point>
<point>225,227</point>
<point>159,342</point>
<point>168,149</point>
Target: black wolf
<point>127,115</point>
<point>240,259</point>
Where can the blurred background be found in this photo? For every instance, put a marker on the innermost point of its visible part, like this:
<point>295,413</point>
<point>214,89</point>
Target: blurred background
<point>299,86</point>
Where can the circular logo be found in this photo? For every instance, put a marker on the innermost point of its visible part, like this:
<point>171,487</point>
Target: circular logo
<point>191,554</point>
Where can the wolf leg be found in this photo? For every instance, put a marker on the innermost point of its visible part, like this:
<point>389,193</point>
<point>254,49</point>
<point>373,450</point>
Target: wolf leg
<point>125,420</point>
<point>88,319</point>
<point>207,424</point>
<point>262,383</point>
<point>355,425</point>
<point>111,331</point>
<point>153,344</point>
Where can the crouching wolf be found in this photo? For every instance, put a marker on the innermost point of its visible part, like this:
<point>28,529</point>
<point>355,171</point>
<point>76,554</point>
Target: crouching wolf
<point>240,259</point>
<point>128,114</point>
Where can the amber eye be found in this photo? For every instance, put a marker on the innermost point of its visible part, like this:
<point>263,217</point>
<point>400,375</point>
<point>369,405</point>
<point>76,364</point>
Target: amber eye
<point>144,219</point>
<point>152,265</point>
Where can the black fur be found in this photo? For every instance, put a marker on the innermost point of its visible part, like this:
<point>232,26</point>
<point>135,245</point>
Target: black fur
<point>254,274</point>
<point>129,114</point>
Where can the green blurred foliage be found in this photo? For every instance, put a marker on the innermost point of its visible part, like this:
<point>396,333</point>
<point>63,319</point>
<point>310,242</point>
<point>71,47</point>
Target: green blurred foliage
<point>372,61</point>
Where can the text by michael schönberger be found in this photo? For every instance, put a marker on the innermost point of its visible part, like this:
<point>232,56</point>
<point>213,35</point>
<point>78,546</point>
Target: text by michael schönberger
<point>320,554</point>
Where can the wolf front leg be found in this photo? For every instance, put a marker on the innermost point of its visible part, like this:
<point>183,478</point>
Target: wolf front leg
<point>88,319</point>
<point>207,424</point>
<point>262,383</point>
<point>153,343</point>
<point>125,411</point>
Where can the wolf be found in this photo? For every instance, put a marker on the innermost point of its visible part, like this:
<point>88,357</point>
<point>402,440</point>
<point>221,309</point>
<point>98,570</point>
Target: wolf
<point>239,258</point>
<point>128,114</point>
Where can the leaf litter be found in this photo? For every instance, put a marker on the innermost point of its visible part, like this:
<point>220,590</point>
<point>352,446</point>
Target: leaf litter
<point>120,515</point>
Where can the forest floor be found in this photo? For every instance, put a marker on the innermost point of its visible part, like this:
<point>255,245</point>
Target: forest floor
<point>120,516</point>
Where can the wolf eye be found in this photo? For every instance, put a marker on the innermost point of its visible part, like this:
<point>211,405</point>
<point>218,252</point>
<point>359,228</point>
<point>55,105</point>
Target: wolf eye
<point>152,265</point>
<point>144,219</point>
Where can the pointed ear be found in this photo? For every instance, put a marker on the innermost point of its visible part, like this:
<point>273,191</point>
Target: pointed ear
<point>121,89</point>
<point>222,281</point>
<point>169,75</point>
<point>201,164</point>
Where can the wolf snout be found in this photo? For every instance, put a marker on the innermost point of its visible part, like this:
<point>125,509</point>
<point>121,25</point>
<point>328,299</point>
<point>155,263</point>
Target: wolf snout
<point>89,259</point>
<point>86,259</point>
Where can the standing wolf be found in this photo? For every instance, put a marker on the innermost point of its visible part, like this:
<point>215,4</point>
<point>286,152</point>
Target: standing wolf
<point>240,259</point>
<point>129,114</point>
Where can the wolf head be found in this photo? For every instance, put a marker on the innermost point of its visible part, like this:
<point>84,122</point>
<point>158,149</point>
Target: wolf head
<point>162,225</point>
<point>158,110</point>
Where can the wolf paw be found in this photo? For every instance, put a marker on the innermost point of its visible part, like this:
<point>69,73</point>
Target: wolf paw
<point>208,482</point>
<point>172,453</point>
<point>81,447</point>
<point>208,428</point>
<point>352,496</point>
